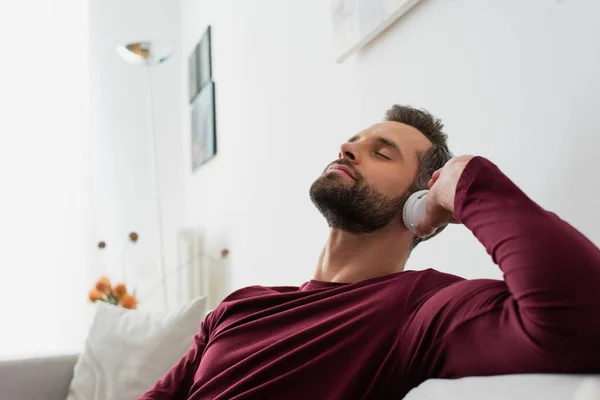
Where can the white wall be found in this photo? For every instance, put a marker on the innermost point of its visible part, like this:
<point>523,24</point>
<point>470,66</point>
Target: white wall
<point>124,194</point>
<point>44,207</point>
<point>514,81</point>
<point>282,107</point>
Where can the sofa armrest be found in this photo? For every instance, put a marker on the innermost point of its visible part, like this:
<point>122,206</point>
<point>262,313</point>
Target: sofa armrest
<point>37,378</point>
<point>514,387</point>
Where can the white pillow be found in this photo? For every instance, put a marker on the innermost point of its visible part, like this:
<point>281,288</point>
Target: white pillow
<point>127,351</point>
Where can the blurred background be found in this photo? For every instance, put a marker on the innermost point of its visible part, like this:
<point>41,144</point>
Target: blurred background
<point>206,144</point>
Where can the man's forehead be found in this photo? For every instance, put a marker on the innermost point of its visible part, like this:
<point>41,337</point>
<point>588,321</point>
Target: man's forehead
<point>398,132</point>
<point>391,128</point>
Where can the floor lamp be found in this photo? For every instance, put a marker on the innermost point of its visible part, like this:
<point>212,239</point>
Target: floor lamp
<point>142,53</point>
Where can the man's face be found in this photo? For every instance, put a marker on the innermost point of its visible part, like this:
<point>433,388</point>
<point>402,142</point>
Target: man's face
<point>366,187</point>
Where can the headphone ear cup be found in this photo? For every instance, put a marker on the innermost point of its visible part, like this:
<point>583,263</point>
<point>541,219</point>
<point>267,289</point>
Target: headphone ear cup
<point>413,211</point>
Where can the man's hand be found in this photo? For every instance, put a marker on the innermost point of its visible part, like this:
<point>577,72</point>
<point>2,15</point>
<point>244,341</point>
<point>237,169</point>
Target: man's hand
<point>440,200</point>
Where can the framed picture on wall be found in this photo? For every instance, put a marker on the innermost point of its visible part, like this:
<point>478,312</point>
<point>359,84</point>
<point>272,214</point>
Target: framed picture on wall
<point>357,22</point>
<point>204,60</point>
<point>200,65</point>
<point>193,75</point>
<point>204,130</point>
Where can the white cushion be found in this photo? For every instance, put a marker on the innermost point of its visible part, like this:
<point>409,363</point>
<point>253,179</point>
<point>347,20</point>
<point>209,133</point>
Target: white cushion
<point>513,387</point>
<point>127,351</point>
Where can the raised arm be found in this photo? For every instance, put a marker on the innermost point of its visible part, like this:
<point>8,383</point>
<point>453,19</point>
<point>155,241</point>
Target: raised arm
<point>544,317</point>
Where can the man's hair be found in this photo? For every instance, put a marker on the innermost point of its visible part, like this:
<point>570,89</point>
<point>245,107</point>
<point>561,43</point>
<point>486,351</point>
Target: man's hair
<point>431,160</point>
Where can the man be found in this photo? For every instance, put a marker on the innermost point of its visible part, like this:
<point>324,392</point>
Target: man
<point>364,328</point>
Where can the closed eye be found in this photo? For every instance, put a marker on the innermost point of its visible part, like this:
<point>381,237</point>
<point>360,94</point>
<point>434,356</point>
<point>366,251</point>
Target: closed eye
<point>384,156</point>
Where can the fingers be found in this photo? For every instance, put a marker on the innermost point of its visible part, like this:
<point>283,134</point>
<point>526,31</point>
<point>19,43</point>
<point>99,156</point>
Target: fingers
<point>432,220</point>
<point>424,230</point>
<point>434,178</point>
<point>436,214</point>
<point>429,225</point>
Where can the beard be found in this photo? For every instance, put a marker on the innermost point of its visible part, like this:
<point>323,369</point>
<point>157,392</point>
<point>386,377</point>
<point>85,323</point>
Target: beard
<point>354,207</point>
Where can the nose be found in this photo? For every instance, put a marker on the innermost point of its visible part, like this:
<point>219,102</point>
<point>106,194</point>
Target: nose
<point>350,153</point>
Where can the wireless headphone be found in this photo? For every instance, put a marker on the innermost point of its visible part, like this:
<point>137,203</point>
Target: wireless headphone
<point>415,207</point>
<point>414,210</point>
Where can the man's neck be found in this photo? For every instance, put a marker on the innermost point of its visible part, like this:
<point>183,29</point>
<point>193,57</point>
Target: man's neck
<point>349,258</point>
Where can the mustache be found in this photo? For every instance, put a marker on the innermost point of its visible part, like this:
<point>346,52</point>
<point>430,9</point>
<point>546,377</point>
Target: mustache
<point>346,163</point>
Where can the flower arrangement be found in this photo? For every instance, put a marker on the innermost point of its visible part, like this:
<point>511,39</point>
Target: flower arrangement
<point>118,294</point>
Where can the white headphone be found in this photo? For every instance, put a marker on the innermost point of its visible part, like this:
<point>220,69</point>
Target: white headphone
<point>414,209</point>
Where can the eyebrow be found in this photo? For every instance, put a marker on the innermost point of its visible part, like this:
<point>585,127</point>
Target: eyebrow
<point>382,141</point>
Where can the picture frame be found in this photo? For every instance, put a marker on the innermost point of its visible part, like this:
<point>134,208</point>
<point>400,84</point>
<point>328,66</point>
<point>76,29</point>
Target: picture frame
<point>204,128</point>
<point>204,59</point>
<point>193,75</point>
<point>357,22</point>
<point>200,65</point>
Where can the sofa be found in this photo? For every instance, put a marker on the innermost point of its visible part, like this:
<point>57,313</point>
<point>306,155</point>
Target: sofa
<point>43,378</point>
<point>48,378</point>
<point>153,342</point>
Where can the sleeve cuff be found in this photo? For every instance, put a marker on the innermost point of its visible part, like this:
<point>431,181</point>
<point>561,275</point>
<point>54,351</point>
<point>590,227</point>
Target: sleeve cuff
<point>474,169</point>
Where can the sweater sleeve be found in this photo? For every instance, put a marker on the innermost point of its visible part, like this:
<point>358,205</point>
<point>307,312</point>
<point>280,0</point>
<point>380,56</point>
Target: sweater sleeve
<point>544,316</point>
<point>177,382</point>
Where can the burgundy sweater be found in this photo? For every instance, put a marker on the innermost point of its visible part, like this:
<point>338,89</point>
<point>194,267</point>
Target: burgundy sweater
<point>379,338</point>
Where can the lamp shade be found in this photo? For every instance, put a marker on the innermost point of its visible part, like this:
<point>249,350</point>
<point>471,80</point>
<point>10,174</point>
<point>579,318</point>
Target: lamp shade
<point>140,53</point>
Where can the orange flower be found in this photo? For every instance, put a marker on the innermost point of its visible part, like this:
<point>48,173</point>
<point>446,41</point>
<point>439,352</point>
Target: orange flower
<point>128,301</point>
<point>120,289</point>
<point>103,284</point>
<point>95,295</point>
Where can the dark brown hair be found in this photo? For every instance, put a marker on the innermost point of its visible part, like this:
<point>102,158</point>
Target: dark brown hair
<point>431,160</point>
